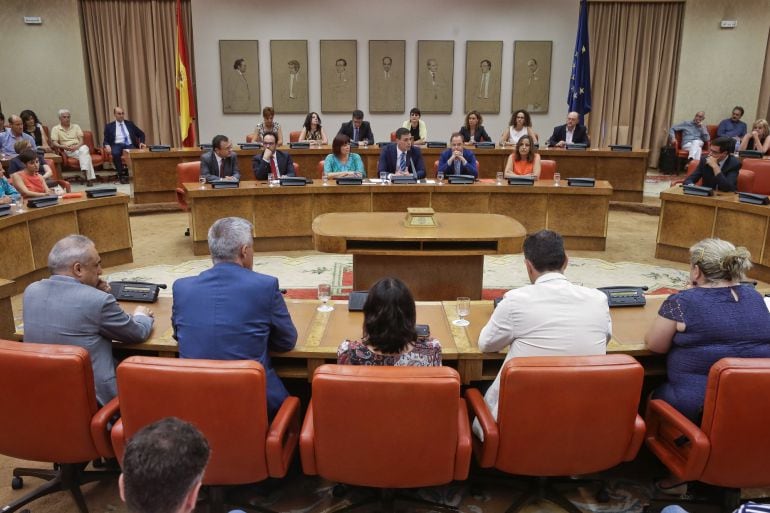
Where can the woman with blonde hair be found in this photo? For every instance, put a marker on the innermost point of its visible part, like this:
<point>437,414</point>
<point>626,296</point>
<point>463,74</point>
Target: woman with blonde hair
<point>758,139</point>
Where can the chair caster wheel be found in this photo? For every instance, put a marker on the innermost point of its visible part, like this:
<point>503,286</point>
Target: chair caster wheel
<point>17,483</point>
<point>339,490</point>
<point>602,496</point>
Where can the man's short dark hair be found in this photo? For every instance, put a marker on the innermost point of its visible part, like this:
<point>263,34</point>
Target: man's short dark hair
<point>162,463</point>
<point>217,140</point>
<point>357,114</point>
<point>27,156</point>
<point>402,132</point>
<point>545,251</point>
<point>738,107</point>
<point>415,110</point>
<point>725,144</point>
<point>273,134</point>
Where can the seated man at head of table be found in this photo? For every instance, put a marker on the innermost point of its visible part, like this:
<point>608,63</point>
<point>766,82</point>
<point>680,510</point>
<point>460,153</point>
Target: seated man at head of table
<point>230,312</point>
<point>571,132</point>
<point>119,135</point>
<point>551,317</point>
<point>272,162</point>
<point>719,169</point>
<point>357,129</point>
<point>401,158</point>
<point>457,160</point>
<point>221,163</point>
<point>74,307</point>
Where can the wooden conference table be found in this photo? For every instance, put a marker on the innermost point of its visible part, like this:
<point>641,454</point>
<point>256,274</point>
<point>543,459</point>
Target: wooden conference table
<point>685,220</point>
<point>154,173</point>
<point>319,334</point>
<point>28,237</point>
<point>283,216</point>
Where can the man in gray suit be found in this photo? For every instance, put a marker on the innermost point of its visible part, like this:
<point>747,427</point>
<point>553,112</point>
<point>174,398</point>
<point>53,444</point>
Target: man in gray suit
<point>74,307</point>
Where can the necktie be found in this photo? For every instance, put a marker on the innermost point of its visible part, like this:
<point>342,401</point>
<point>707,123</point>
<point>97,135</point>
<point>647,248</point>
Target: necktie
<point>457,167</point>
<point>402,162</point>
<point>273,168</point>
<point>127,140</point>
<point>222,168</point>
<point>355,134</point>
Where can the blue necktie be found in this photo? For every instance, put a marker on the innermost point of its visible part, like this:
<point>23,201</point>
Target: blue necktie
<point>355,135</point>
<point>457,167</point>
<point>402,162</point>
<point>127,141</point>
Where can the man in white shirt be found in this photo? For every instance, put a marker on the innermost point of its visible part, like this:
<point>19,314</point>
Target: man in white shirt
<point>119,135</point>
<point>551,317</point>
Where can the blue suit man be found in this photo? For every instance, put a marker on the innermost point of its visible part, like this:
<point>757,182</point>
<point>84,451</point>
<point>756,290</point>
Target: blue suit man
<point>391,159</point>
<point>129,135</point>
<point>230,312</point>
<point>456,160</point>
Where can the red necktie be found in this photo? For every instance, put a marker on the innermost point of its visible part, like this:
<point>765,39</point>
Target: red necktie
<point>273,169</point>
<point>222,168</point>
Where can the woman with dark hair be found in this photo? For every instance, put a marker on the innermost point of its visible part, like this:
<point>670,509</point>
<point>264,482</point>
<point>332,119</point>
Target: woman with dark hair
<point>28,181</point>
<point>33,127</point>
<point>268,125</point>
<point>416,126</point>
<point>312,129</point>
<point>390,334</point>
<point>524,160</point>
<point>519,126</point>
<point>341,162</point>
<point>473,130</point>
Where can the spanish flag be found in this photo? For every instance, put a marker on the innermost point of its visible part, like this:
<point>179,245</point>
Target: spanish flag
<point>184,97</point>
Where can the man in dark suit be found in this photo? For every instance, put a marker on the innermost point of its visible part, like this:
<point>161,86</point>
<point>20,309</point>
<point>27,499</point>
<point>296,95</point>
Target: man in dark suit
<point>357,129</point>
<point>719,169</point>
<point>401,158</point>
<point>221,163</point>
<point>458,160</point>
<point>570,133</point>
<point>230,312</point>
<point>120,135</point>
<point>272,162</point>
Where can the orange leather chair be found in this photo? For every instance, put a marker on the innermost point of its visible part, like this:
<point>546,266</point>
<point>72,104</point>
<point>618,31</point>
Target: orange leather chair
<point>409,426</point>
<point>250,138</point>
<point>561,416</point>
<point>51,414</point>
<point>225,400</point>
<point>730,448</point>
<point>547,169</point>
<point>186,172</point>
<point>294,136</point>
<point>72,164</point>
<point>746,177</point>
<point>761,169</point>
<point>393,137</point>
<point>64,184</point>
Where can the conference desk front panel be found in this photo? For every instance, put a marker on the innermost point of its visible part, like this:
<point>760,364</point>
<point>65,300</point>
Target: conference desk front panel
<point>154,173</point>
<point>685,220</point>
<point>28,237</point>
<point>283,216</point>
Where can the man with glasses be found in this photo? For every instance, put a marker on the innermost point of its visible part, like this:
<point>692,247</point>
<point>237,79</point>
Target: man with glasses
<point>719,169</point>
<point>221,163</point>
<point>694,135</point>
<point>272,162</point>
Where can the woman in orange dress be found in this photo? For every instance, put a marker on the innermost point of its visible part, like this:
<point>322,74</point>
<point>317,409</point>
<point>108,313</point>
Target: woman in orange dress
<point>28,181</point>
<point>523,160</point>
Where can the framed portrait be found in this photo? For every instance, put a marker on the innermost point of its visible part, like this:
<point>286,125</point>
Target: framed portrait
<point>387,65</point>
<point>339,69</point>
<point>435,72</point>
<point>483,67</point>
<point>239,72</point>
<point>289,76</point>
<point>531,76</point>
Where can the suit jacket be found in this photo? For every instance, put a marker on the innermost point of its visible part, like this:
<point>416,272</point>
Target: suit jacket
<point>727,180</point>
<point>61,310</point>
<point>210,169</point>
<point>231,313</point>
<point>469,168</point>
<point>481,134</point>
<point>262,169</point>
<point>365,132</point>
<point>388,160</point>
<point>134,133</point>
<point>560,134</point>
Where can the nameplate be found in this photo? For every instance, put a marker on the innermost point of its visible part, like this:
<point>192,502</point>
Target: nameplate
<point>159,147</point>
<point>620,147</point>
<point>293,181</point>
<point>350,180</point>
<point>485,144</point>
<point>750,154</point>
<point>521,180</point>
<point>436,144</point>
<point>5,210</point>
<point>101,192</point>
<point>576,146</point>
<point>402,179</point>
<point>461,179</point>
<point>225,184</point>
<point>250,146</point>
<point>45,201</point>
<point>299,145</point>
<point>697,190</point>
<point>753,199</point>
<point>353,144</point>
<point>356,300</point>
<point>206,147</point>
<point>581,182</point>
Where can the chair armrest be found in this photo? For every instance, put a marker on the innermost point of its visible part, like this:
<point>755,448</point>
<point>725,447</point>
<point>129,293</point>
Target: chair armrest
<point>307,443</point>
<point>181,197</point>
<point>64,184</point>
<point>282,438</point>
<point>685,457</point>
<point>464,445</point>
<point>637,438</point>
<point>100,431</point>
<point>486,451</point>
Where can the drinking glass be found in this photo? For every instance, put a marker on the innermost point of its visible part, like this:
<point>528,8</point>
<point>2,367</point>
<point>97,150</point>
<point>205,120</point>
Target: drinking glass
<point>499,178</point>
<point>556,179</point>
<point>463,306</point>
<point>202,181</point>
<point>325,179</point>
<point>19,205</point>
<point>383,178</point>
<point>324,294</point>
<point>440,176</point>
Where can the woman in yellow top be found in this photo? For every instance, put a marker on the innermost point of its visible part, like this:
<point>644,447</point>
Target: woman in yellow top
<point>523,160</point>
<point>416,127</point>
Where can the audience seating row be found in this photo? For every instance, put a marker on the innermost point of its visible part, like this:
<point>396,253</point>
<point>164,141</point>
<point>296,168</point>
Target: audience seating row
<point>754,175</point>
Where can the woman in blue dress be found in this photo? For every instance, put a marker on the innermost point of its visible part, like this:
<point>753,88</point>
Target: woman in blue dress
<point>341,163</point>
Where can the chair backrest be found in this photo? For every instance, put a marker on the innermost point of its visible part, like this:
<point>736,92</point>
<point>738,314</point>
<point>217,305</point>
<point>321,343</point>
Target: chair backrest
<point>761,169</point>
<point>320,168</point>
<point>186,172</point>
<point>393,137</point>
<point>296,168</point>
<point>294,135</point>
<point>547,169</point>
<point>746,179</point>
<point>408,424</point>
<point>88,140</point>
<point>568,415</point>
<point>48,400</point>
<point>712,130</point>
<point>735,420</point>
<point>249,138</point>
<point>225,399</point>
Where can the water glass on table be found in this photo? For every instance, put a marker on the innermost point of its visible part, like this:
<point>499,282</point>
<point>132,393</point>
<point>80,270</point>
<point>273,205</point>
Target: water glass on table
<point>556,179</point>
<point>324,294</point>
<point>383,178</point>
<point>499,178</point>
<point>463,307</point>
<point>440,177</point>
<point>202,181</point>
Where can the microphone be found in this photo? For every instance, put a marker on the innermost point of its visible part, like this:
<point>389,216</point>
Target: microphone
<point>414,171</point>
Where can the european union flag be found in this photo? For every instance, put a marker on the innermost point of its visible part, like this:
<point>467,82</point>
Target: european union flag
<point>579,97</point>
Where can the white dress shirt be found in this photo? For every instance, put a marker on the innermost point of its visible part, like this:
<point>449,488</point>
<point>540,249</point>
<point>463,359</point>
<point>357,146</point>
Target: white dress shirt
<point>551,317</point>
